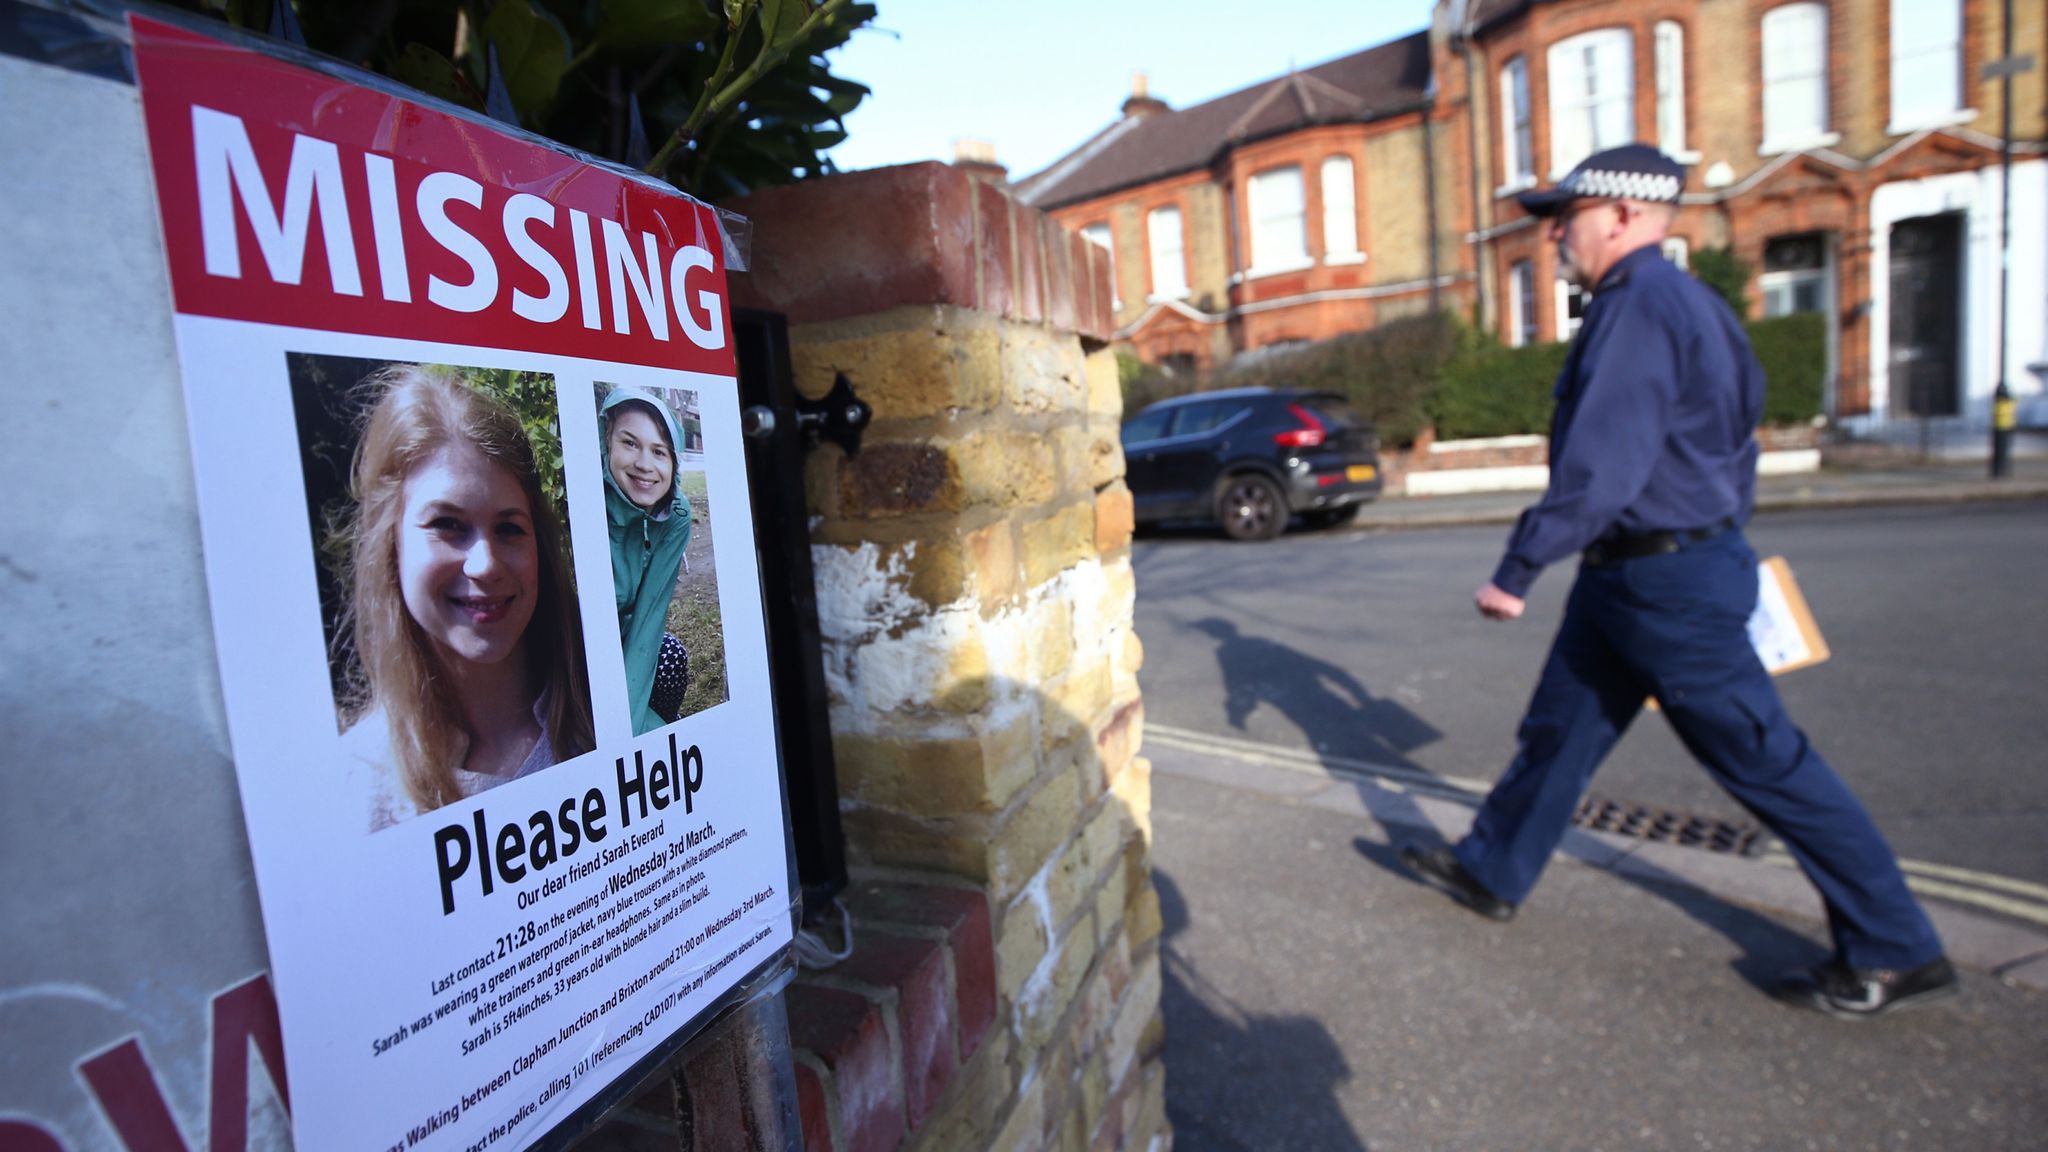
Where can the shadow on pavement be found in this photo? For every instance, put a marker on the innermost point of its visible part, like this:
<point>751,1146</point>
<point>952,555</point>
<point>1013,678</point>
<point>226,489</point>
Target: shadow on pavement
<point>1338,714</point>
<point>1238,1080</point>
<point>1769,949</point>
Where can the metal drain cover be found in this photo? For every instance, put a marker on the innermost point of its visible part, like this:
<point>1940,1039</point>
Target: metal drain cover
<point>1671,826</point>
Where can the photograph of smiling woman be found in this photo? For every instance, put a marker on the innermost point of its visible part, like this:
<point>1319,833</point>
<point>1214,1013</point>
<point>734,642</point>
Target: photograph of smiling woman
<point>468,649</point>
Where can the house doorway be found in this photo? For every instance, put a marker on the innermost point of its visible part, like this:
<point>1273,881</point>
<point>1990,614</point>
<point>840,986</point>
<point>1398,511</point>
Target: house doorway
<point>1926,316</point>
<point>1799,276</point>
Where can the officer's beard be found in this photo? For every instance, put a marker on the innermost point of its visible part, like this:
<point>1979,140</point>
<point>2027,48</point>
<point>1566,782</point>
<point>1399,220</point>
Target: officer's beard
<point>1568,269</point>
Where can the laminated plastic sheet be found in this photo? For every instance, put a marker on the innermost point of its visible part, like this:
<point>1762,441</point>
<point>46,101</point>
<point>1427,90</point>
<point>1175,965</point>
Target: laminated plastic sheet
<point>209,945</point>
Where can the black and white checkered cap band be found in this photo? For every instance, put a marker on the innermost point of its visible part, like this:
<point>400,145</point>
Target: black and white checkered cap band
<point>1645,186</point>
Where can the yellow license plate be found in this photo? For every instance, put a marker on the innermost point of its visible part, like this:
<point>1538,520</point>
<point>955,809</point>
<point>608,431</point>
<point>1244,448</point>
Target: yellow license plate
<point>1359,473</point>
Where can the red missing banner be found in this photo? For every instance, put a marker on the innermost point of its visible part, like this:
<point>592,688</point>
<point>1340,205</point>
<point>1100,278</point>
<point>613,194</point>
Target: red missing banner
<point>298,199</point>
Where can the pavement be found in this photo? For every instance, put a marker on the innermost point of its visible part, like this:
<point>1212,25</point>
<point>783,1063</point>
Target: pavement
<point>1317,996</point>
<point>1896,483</point>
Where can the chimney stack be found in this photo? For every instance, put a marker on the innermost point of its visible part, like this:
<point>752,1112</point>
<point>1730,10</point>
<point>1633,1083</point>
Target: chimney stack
<point>977,158</point>
<point>1141,102</point>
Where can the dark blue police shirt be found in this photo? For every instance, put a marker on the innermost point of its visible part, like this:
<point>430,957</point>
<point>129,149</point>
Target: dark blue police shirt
<point>1656,410</point>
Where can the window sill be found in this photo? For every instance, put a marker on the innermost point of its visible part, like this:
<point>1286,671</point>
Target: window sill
<point>1799,144</point>
<point>1944,120</point>
<point>1520,184</point>
<point>1167,297</point>
<point>1341,259</point>
<point>1687,157</point>
<point>1274,270</point>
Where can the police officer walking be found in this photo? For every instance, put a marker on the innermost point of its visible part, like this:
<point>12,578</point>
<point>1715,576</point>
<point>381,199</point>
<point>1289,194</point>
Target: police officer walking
<point>1652,476</point>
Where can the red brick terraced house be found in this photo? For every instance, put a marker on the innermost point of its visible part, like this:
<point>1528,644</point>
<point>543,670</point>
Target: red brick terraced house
<point>1848,150</point>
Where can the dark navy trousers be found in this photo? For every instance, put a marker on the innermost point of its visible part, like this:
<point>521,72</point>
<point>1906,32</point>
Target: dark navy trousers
<point>1675,626</point>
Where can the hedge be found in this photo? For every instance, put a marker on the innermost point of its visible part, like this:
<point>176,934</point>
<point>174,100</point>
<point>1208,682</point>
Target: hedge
<point>1413,372</point>
<point>1495,391</point>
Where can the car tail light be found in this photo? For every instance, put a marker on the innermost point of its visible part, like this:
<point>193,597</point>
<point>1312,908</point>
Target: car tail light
<point>1311,433</point>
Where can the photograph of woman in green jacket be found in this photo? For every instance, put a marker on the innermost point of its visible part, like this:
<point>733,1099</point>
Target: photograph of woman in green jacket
<point>649,521</point>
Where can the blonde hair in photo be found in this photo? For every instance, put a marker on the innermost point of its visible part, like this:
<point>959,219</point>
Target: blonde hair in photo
<point>417,411</point>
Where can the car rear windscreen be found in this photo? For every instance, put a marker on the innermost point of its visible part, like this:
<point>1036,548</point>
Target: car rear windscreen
<point>1333,409</point>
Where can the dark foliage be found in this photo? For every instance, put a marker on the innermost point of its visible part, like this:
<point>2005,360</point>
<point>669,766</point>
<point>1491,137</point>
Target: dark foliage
<point>733,94</point>
<point>1794,353</point>
<point>1727,274</point>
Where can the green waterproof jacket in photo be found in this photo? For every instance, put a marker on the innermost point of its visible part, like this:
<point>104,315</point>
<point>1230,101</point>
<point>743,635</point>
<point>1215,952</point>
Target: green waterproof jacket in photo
<point>647,556</point>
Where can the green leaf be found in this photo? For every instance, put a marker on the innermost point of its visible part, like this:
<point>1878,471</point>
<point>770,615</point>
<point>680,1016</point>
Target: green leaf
<point>780,19</point>
<point>646,23</point>
<point>823,138</point>
<point>434,74</point>
<point>533,53</point>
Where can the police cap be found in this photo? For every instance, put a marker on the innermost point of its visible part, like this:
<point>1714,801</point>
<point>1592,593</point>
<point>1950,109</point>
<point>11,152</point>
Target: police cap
<point>1630,172</point>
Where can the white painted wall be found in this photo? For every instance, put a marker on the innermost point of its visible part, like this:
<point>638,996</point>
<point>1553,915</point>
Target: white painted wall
<point>1976,194</point>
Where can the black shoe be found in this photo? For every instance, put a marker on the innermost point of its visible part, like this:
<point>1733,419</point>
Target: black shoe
<point>1438,867</point>
<point>1864,993</point>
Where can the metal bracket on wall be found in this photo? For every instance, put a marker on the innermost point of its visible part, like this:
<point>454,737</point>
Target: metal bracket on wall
<point>839,416</point>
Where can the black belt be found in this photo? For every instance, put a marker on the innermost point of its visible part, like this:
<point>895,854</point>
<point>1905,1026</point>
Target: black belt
<point>1614,549</point>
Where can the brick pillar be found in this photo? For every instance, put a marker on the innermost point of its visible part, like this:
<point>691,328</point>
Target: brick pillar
<point>975,594</point>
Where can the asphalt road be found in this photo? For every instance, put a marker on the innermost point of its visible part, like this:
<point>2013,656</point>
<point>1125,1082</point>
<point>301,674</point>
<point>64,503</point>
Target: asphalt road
<point>1365,646</point>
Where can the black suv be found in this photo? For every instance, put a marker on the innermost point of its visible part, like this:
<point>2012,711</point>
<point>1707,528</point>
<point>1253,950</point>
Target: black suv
<point>1249,458</point>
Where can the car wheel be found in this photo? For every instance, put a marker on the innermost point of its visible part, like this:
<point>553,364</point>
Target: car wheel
<point>1321,518</point>
<point>1251,507</point>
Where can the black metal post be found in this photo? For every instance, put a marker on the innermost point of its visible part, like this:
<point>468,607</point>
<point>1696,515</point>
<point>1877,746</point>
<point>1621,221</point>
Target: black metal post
<point>2003,410</point>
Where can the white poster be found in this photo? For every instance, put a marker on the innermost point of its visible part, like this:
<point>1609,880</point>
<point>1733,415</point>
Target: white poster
<point>479,554</point>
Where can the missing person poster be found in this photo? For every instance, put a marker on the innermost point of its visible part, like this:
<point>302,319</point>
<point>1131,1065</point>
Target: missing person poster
<point>479,555</point>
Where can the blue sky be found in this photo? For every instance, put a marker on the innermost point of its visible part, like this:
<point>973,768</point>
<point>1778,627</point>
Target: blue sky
<point>1038,78</point>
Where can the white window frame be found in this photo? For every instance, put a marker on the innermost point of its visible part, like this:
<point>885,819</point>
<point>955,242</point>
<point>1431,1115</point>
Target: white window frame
<point>1602,109</point>
<point>1789,77</point>
<point>1517,129</point>
<point>1669,40</point>
<point>1101,236</point>
<point>1567,324</point>
<point>1167,248</point>
<point>1279,239</point>
<point>1340,211</point>
<point>1521,303</point>
<point>1924,42</point>
<point>1678,251</point>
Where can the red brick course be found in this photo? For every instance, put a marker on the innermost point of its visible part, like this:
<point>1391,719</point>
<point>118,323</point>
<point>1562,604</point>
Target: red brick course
<point>924,962</point>
<point>863,242</point>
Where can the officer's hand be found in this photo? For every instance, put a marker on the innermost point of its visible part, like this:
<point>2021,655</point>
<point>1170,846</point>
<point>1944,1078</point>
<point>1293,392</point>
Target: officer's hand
<point>1495,604</point>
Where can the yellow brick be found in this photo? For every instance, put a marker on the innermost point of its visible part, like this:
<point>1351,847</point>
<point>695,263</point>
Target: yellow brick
<point>1133,790</point>
<point>936,568</point>
<point>1024,1131</point>
<point>1114,518</point>
<point>1105,387</point>
<point>1020,948</point>
<point>1077,875</point>
<point>1005,469</point>
<point>992,551</point>
<point>1134,1029</point>
<point>1086,693</point>
<point>1400,250</point>
<point>1044,1002</point>
<point>1106,450</point>
<point>1094,1091</point>
<point>1141,919</point>
<point>1073,444</point>
<point>1057,542</point>
<point>936,777</point>
<point>908,363</point>
<point>1034,829</point>
<point>1043,370</point>
<point>1111,902</point>
<point>1052,639</point>
<point>969,1109</point>
<point>883,839</point>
